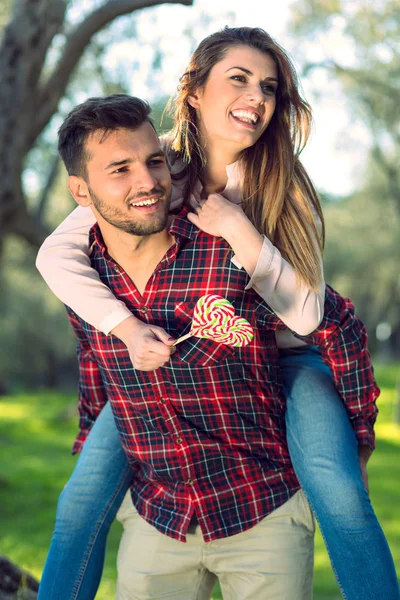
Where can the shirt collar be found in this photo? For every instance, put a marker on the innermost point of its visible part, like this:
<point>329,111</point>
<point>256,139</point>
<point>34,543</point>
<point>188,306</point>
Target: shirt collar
<point>179,227</point>
<point>232,190</point>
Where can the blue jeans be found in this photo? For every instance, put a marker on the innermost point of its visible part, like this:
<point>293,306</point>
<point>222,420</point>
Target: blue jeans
<point>86,508</point>
<point>323,449</point>
<point>324,453</point>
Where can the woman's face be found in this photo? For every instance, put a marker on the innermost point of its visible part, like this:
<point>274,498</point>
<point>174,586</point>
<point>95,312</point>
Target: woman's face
<point>238,100</point>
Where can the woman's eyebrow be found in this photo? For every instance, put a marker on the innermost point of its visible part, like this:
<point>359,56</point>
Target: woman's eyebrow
<point>251,73</point>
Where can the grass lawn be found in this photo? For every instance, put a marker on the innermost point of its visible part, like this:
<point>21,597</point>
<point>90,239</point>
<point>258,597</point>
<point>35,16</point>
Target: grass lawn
<point>36,433</point>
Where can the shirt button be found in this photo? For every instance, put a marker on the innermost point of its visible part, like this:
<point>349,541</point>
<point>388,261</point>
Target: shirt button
<point>189,481</point>
<point>163,401</point>
<point>179,440</point>
<point>144,309</point>
<point>117,271</point>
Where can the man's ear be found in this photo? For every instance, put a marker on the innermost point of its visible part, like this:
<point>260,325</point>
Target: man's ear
<point>79,190</point>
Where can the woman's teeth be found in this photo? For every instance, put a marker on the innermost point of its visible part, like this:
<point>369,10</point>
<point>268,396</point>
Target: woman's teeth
<point>245,116</point>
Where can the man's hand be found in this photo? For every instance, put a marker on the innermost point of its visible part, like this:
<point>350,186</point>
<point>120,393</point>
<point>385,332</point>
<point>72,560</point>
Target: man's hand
<point>149,346</point>
<point>364,452</point>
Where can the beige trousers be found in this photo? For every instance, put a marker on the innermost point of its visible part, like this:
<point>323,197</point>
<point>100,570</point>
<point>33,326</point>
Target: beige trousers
<point>271,561</point>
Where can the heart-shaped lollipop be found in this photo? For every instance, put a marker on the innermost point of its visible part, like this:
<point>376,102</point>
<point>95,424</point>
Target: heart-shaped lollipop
<point>214,318</point>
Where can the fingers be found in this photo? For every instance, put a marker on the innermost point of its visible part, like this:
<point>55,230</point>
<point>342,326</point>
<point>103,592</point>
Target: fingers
<point>193,218</point>
<point>152,349</point>
<point>162,336</point>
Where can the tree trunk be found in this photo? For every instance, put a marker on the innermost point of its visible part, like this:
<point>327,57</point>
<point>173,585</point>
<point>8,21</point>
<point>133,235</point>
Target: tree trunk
<point>15,583</point>
<point>29,96</point>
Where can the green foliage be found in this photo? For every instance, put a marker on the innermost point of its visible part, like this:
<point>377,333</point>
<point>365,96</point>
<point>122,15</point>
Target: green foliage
<point>358,228</point>
<point>307,14</point>
<point>5,9</point>
<point>36,434</point>
<point>363,231</point>
<point>37,346</point>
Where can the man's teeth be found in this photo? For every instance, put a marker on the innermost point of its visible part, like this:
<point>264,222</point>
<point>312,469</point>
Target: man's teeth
<point>145,202</point>
<point>246,116</point>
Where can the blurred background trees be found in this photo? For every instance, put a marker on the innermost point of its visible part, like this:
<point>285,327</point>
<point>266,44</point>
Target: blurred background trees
<point>363,230</point>
<point>55,53</point>
<point>50,57</point>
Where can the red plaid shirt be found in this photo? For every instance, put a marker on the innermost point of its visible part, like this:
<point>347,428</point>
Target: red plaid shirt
<point>206,432</point>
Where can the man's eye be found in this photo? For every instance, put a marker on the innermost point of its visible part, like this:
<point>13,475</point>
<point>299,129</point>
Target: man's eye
<point>121,170</point>
<point>156,162</point>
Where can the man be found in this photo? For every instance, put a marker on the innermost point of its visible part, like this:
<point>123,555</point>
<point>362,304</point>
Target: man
<point>205,433</point>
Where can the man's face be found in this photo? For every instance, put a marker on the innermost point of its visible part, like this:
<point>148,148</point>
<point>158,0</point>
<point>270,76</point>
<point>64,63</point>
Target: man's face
<point>128,179</point>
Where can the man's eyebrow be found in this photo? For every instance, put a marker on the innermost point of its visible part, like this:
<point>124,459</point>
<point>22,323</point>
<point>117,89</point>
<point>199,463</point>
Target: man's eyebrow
<point>159,154</point>
<point>127,161</point>
<point>251,73</point>
<point>119,163</point>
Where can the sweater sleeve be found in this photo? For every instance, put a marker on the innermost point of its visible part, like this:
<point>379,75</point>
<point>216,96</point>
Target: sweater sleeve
<point>275,280</point>
<point>64,263</point>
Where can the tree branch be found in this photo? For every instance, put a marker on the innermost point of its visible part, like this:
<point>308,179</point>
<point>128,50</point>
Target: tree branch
<point>79,39</point>
<point>358,75</point>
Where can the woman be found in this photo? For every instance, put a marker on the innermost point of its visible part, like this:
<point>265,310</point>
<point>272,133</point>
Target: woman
<point>240,125</point>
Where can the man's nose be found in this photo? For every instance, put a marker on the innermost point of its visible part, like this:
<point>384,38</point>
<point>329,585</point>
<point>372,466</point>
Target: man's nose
<point>144,179</point>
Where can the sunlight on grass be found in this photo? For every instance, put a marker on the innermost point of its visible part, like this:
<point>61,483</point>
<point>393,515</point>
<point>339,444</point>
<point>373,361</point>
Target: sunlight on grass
<point>14,412</point>
<point>389,432</point>
<point>321,560</point>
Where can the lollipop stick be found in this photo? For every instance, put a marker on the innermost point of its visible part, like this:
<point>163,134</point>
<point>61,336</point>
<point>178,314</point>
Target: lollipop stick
<point>184,337</point>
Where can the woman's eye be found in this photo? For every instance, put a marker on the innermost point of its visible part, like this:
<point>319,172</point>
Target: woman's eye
<point>240,78</point>
<point>268,89</point>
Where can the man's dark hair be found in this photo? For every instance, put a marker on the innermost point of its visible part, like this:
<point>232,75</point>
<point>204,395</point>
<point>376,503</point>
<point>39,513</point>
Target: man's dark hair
<point>118,111</point>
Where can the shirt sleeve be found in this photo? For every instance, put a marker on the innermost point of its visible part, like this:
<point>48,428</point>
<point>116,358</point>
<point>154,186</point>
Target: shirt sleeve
<point>275,280</point>
<point>64,263</point>
<point>344,343</point>
<point>91,388</point>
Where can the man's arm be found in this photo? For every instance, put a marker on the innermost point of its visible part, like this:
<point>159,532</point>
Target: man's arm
<point>91,388</point>
<point>344,344</point>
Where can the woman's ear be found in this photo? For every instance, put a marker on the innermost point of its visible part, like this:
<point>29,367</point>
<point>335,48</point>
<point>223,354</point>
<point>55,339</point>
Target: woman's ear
<point>194,99</point>
<point>79,190</point>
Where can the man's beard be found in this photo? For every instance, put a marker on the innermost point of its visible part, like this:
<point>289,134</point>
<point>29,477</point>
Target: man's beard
<point>115,217</point>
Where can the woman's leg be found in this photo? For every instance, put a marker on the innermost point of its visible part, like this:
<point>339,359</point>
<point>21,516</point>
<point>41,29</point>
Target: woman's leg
<point>86,508</point>
<point>323,449</point>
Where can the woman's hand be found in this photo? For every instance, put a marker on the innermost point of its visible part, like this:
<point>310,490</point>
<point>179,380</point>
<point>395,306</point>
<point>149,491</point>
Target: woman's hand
<point>217,216</point>
<point>149,346</point>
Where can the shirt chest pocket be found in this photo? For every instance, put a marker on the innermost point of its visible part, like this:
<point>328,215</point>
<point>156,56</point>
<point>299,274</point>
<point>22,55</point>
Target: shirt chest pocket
<point>199,352</point>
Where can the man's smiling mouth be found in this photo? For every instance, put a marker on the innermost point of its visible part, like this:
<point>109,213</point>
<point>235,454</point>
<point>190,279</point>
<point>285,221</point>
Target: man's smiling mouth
<point>148,202</point>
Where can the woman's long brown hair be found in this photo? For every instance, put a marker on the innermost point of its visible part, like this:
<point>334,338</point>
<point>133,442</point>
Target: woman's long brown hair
<point>278,196</point>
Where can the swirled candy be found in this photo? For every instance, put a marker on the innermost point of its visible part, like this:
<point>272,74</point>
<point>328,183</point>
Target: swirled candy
<point>214,318</point>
